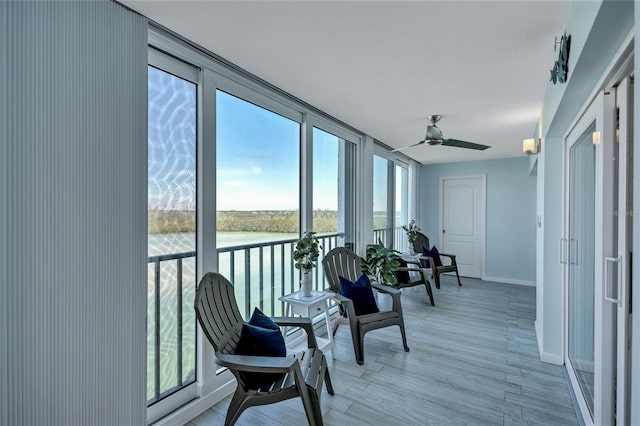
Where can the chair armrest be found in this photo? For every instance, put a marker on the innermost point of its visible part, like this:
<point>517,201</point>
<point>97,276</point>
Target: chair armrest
<point>304,323</point>
<point>256,364</point>
<point>452,258</point>
<point>422,271</point>
<point>338,298</point>
<point>394,292</point>
<point>447,255</point>
<point>429,261</point>
<point>413,262</point>
<point>347,304</point>
<point>385,288</point>
<point>291,321</point>
<point>409,269</point>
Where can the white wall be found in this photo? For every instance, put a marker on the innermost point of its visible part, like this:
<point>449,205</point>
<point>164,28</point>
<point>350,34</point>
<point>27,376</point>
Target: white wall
<point>510,213</point>
<point>550,308</point>
<point>578,23</point>
<point>73,170</point>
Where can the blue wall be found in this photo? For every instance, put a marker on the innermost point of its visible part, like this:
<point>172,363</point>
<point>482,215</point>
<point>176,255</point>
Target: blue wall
<point>510,253</point>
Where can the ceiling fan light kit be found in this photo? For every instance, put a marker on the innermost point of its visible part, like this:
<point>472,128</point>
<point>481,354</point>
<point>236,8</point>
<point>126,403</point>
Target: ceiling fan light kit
<point>434,137</point>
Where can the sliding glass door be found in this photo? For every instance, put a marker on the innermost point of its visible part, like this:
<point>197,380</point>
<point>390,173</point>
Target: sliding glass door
<point>171,322</point>
<point>581,286</point>
<point>594,266</point>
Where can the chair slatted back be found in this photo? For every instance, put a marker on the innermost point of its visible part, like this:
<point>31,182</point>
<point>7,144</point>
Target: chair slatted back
<point>218,313</point>
<point>341,262</point>
<point>421,243</point>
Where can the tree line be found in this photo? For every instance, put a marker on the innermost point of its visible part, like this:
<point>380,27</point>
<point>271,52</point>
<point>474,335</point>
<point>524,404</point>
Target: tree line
<point>285,221</point>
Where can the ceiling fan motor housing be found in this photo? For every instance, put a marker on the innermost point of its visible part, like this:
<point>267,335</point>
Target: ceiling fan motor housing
<point>433,133</point>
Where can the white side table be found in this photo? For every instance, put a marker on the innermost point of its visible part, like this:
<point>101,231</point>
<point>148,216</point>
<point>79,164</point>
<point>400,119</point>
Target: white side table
<point>318,302</point>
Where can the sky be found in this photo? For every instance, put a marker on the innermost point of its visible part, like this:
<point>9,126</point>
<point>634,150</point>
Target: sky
<point>257,153</point>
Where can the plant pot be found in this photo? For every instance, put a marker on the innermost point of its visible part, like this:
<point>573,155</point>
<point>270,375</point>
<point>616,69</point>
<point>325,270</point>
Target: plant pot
<point>385,301</point>
<point>306,284</point>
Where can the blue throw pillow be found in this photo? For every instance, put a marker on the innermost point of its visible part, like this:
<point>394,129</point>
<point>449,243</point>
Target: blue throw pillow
<point>258,341</point>
<point>360,293</point>
<point>261,320</point>
<point>431,253</point>
<point>261,337</point>
<point>402,276</point>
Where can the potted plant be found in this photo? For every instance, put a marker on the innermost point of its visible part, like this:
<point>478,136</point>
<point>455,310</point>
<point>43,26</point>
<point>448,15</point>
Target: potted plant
<point>305,256</point>
<point>412,232</point>
<point>380,264</point>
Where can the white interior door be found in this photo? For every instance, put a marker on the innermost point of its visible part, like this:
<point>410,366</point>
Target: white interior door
<point>462,224</point>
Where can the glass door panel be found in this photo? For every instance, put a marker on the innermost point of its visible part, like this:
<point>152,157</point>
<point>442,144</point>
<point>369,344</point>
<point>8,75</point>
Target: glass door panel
<point>171,322</point>
<point>382,219</point>
<point>618,291</point>
<point>334,173</point>
<point>334,186</point>
<point>581,263</point>
<point>257,201</point>
<point>401,208</point>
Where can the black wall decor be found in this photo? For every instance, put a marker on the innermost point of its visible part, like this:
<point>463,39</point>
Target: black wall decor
<point>560,70</point>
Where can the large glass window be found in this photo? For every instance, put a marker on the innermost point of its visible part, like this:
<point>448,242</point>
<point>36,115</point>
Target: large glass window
<point>171,329</point>
<point>334,186</point>
<point>333,193</point>
<point>401,207</point>
<point>258,199</point>
<point>381,219</point>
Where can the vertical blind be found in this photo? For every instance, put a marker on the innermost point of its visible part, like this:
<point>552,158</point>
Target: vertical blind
<point>73,171</point>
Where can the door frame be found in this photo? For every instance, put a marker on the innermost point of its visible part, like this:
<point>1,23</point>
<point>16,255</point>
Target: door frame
<point>624,101</point>
<point>603,378</point>
<point>174,399</point>
<point>483,215</point>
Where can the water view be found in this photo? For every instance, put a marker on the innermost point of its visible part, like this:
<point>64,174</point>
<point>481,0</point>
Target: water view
<point>257,263</point>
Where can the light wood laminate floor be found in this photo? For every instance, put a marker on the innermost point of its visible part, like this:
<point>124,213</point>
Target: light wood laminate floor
<point>473,361</point>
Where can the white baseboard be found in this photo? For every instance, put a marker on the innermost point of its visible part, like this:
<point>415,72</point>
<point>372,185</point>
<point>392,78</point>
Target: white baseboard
<point>551,358</point>
<point>198,406</point>
<point>509,281</point>
<point>544,356</point>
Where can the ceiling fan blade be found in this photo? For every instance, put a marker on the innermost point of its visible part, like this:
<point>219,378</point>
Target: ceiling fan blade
<point>462,144</point>
<point>407,147</point>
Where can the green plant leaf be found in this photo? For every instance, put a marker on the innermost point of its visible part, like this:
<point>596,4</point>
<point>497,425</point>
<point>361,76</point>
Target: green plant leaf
<point>306,251</point>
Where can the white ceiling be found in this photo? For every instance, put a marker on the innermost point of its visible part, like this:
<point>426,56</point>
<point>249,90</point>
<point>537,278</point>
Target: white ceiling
<point>383,66</point>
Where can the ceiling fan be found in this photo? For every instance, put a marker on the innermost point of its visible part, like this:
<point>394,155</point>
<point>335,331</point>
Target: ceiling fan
<point>434,137</point>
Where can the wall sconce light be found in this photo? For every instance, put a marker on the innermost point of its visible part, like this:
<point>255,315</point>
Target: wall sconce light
<point>595,137</point>
<point>530,146</point>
